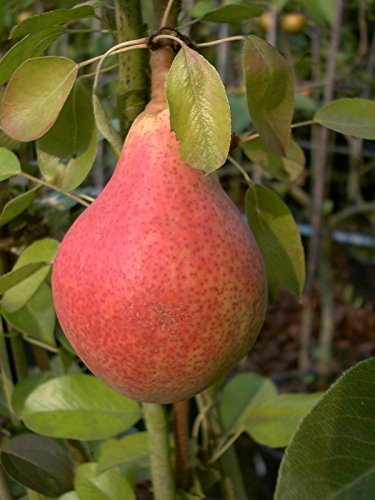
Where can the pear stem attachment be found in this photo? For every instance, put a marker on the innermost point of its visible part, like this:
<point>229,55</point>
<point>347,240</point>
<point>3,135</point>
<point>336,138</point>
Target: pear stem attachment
<point>161,466</point>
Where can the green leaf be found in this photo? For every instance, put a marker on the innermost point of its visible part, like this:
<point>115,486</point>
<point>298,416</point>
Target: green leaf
<point>35,95</point>
<point>17,205</point>
<point>25,387</point>
<point>55,17</point>
<point>110,485</point>
<point>31,46</point>
<point>9,164</point>
<point>38,463</point>
<point>12,278</point>
<point>105,126</point>
<point>278,238</point>
<point>332,455</point>
<point>240,395</point>
<point>36,319</point>
<point>39,251</point>
<point>351,116</point>
<point>233,13</point>
<point>130,449</point>
<point>201,119</point>
<point>61,408</point>
<point>270,93</point>
<point>65,159</point>
<point>273,422</point>
<point>321,10</point>
<point>239,113</point>
<point>284,168</point>
<point>70,495</point>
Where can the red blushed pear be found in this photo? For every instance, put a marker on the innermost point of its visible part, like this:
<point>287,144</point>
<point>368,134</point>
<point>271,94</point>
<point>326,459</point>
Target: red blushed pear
<point>159,285</point>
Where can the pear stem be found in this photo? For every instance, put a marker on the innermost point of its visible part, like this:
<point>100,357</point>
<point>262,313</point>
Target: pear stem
<point>161,60</point>
<point>160,458</point>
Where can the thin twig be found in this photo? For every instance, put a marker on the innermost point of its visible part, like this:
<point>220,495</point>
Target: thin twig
<point>226,446</point>
<point>51,186</point>
<point>164,21</point>
<point>222,40</point>
<point>241,169</point>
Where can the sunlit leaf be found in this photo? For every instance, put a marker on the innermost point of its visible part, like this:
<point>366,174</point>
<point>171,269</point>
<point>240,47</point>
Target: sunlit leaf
<point>25,387</point>
<point>9,164</point>
<point>66,158</point>
<point>35,95</point>
<point>351,116</point>
<point>34,24</point>
<point>109,485</point>
<point>39,251</point>
<point>201,119</point>
<point>286,168</point>
<point>60,408</point>
<point>14,277</point>
<point>129,449</point>
<point>17,205</point>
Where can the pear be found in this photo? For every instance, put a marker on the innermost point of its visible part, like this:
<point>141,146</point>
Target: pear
<point>159,285</point>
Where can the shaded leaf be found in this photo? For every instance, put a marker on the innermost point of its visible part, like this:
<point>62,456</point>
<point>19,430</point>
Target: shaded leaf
<point>25,387</point>
<point>351,116</point>
<point>36,319</point>
<point>321,10</point>
<point>240,395</point>
<point>332,454</point>
<point>278,238</point>
<point>31,46</point>
<point>130,449</point>
<point>78,407</point>
<point>17,205</point>
<point>110,485</point>
<point>273,422</point>
<point>233,13</point>
<point>239,113</point>
<point>105,126</point>
<point>284,168</point>
<point>12,278</point>
<point>202,119</point>
<point>65,159</point>
<point>34,24</point>
<point>35,95</point>
<point>39,251</point>
<point>9,164</point>
<point>270,94</point>
<point>38,463</point>
<point>70,495</point>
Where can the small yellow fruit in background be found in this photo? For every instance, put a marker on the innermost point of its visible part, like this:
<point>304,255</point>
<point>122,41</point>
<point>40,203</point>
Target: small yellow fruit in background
<point>24,15</point>
<point>293,22</point>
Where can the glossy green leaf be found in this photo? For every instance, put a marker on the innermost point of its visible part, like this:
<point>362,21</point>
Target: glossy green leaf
<point>38,463</point>
<point>284,168</point>
<point>240,395</point>
<point>35,95</point>
<point>36,319</point>
<point>79,407</point>
<point>9,164</point>
<point>332,455</point>
<point>233,13</point>
<point>39,251</point>
<point>105,126</point>
<point>273,422</point>
<point>65,159</point>
<point>130,449</point>
<point>55,17</point>
<point>31,46</point>
<point>278,239</point>
<point>17,205</point>
<point>25,387</point>
<point>109,485</point>
<point>12,278</point>
<point>351,116</point>
<point>270,93</point>
<point>201,119</point>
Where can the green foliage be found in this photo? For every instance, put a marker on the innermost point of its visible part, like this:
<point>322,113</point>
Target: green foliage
<point>332,453</point>
<point>205,143</point>
<point>278,238</point>
<point>109,485</point>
